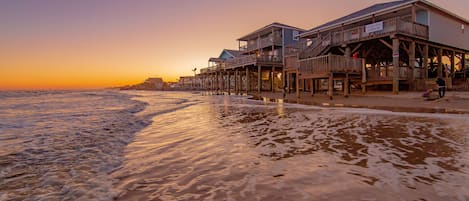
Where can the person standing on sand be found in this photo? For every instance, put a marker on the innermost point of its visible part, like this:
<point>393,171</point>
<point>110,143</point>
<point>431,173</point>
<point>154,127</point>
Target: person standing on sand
<point>441,87</point>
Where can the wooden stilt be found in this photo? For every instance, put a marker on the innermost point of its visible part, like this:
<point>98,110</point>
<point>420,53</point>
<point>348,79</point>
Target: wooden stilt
<point>346,86</point>
<point>297,84</point>
<point>425,61</point>
<point>236,82</point>
<point>259,79</point>
<point>229,82</point>
<point>395,64</point>
<point>247,81</point>
<point>311,83</point>
<point>331,85</point>
<point>272,79</point>
<point>440,62</point>
<point>412,80</point>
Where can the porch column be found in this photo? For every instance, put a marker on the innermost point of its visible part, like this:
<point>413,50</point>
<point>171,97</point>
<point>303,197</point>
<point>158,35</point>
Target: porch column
<point>331,85</point>
<point>247,80</point>
<point>395,64</point>
<point>272,77</point>
<point>259,79</point>
<point>440,63</point>
<point>412,65</point>
<point>425,61</point>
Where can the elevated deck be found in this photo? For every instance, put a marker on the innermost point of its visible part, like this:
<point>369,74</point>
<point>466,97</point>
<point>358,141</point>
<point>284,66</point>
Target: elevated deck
<point>323,66</point>
<point>255,60</point>
<point>385,28</point>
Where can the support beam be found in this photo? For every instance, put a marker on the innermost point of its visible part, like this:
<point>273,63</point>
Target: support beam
<point>297,84</point>
<point>395,64</point>
<point>331,85</point>
<point>229,82</point>
<point>259,79</point>
<point>223,82</point>
<point>440,62</point>
<point>236,82</point>
<point>357,47</point>
<point>346,86</point>
<point>412,80</point>
<point>311,84</point>
<point>272,77</point>
<point>247,81</point>
<point>348,51</point>
<point>453,63</point>
<point>386,43</point>
<point>425,61</point>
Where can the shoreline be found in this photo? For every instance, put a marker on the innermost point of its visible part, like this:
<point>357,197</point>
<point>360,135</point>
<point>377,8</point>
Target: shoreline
<point>452,103</point>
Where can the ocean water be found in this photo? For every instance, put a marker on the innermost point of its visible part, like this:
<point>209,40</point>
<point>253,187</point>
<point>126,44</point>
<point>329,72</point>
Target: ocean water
<point>106,145</point>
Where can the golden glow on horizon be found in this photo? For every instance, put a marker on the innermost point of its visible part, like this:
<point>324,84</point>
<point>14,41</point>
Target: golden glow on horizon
<point>63,45</point>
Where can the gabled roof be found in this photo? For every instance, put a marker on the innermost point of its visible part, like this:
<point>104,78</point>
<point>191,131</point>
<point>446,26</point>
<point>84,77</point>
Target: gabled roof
<point>234,53</point>
<point>366,11</point>
<point>376,9</point>
<point>275,25</point>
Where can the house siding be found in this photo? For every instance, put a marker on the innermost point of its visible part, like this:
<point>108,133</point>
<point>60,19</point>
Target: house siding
<point>448,31</point>
<point>288,37</point>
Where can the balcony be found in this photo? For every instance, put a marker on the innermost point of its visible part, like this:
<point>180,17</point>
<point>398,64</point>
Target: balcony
<point>262,42</point>
<point>390,26</point>
<point>321,66</point>
<point>210,69</point>
<point>253,60</point>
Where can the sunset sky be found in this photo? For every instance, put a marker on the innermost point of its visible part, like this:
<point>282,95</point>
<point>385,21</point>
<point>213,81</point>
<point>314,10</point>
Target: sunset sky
<point>55,44</point>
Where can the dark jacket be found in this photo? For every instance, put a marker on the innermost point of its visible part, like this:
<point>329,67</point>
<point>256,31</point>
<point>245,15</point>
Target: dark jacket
<point>441,82</point>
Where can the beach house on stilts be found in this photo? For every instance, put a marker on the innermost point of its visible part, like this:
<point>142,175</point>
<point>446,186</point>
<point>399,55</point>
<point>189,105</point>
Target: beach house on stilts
<point>394,46</point>
<point>258,63</point>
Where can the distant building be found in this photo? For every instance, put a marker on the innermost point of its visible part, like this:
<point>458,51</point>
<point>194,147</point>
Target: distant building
<point>148,84</point>
<point>157,83</point>
<point>186,82</point>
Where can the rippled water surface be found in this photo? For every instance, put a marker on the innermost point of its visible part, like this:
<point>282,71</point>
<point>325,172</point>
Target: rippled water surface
<point>183,146</point>
<point>62,145</point>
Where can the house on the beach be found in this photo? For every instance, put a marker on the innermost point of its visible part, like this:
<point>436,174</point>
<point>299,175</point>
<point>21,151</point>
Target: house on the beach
<point>398,45</point>
<point>257,65</point>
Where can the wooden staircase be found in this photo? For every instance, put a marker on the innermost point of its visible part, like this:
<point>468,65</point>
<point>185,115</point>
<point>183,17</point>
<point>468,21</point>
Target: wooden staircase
<point>318,47</point>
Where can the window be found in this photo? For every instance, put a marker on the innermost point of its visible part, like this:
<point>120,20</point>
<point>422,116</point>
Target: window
<point>296,35</point>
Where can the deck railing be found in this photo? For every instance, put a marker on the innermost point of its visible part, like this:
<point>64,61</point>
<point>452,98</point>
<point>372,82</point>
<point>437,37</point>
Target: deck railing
<point>262,43</point>
<point>210,69</point>
<point>394,25</point>
<point>251,59</point>
<point>330,63</point>
<point>377,74</point>
<point>316,47</point>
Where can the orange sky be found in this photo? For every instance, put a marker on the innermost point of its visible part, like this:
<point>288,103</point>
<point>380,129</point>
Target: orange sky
<point>52,44</point>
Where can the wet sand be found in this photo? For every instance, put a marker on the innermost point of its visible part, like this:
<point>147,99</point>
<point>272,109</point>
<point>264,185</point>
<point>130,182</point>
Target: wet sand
<point>453,102</point>
<point>233,148</point>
